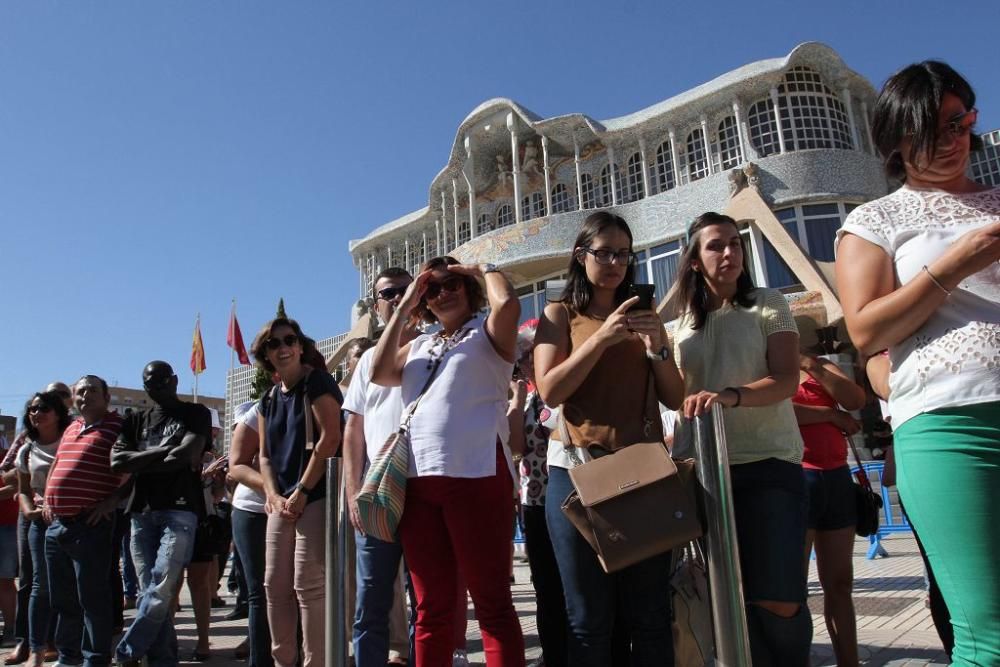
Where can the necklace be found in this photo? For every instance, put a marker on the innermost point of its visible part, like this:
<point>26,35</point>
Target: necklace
<point>442,344</point>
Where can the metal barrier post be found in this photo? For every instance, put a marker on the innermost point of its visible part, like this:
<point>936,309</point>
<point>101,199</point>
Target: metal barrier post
<point>336,641</point>
<point>732,643</point>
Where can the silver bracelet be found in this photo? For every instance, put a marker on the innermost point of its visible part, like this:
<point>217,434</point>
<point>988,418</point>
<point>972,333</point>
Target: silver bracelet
<point>936,281</point>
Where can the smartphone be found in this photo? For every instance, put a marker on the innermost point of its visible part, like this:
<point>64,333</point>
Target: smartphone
<point>645,294</point>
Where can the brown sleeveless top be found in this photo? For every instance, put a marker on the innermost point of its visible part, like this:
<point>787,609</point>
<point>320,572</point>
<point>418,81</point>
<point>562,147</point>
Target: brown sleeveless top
<point>610,406</point>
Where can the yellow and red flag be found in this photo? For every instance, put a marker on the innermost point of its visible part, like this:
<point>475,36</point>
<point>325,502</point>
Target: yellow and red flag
<point>197,349</point>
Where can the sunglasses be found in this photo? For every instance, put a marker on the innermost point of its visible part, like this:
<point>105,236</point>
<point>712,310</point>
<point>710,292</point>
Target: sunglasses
<point>35,409</point>
<point>274,342</point>
<point>157,382</point>
<point>452,284</point>
<point>390,293</point>
<point>957,126</point>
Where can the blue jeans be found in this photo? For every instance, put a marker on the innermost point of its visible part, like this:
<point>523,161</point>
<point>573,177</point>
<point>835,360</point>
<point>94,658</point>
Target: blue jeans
<point>25,576</point>
<point>130,580</point>
<point>377,566</point>
<point>162,544</point>
<point>249,530</point>
<point>79,558</point>
<point>641,592</point>
<point>39,607</point>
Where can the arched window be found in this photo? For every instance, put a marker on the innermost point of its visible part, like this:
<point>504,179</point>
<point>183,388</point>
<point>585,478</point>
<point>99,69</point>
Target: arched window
<point>464,232</point>
<point>485,224</point>
<point>413,258</point>
<point>526,208</point>
<point>431,246</point>
<point>505,216</point>
<point>537,205</point>
<point>763,129</point>
<point>694,158</point>
<point>588,191</point>
<point>664,167</point>
<point>811,115</point>
<point>636,188</point>
<point>561,202</point>
<point>728,153</point>
<point>606,198</point>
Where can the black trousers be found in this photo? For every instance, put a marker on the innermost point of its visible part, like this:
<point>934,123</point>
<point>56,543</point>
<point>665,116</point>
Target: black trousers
<point>551,607</point>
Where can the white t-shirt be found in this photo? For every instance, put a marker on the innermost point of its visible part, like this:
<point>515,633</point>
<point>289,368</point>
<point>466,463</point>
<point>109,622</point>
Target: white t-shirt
<point>245,498</point>
<point>454,430</point>
<point>953,359</point>
<point>381,407</point>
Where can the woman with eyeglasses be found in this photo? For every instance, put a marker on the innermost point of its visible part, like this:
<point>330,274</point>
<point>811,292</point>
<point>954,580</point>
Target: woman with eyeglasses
<point>45,419</point>
<point>918,275</point>
<point>294,445</point>
<point>593,358</point>
<point>738,346</point>
<point>458,516</point>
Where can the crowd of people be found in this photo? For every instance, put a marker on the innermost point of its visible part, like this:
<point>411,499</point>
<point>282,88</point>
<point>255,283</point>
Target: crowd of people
<point>498,414</point>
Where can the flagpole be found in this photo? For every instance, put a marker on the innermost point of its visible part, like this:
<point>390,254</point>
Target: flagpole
<point>197,328</point>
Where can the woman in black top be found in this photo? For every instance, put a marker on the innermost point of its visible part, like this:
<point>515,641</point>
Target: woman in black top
<point>293,453</point>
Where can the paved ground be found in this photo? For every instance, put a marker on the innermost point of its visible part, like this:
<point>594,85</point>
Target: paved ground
<point>894,626</point>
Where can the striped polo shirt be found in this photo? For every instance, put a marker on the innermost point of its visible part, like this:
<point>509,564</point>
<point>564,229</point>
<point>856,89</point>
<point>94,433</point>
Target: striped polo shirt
<point>81,473</point>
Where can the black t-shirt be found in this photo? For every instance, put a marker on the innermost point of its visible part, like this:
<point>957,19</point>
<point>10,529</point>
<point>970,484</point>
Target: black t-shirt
<point>284,417</point>
<point>166,427</point>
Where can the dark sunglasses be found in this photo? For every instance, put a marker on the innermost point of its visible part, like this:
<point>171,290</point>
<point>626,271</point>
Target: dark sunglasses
<point>452,284</point>
<point>42,407</point>
<point>390,293</point>
<point>157,382</point>
<point>274,342</point>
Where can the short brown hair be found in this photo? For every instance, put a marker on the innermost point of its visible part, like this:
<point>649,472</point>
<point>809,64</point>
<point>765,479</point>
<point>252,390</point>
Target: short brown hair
<point>473,290</point>
<point>259,347</point>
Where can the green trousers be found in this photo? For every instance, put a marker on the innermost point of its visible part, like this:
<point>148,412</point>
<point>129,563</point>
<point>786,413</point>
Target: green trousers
<point>948,472</point>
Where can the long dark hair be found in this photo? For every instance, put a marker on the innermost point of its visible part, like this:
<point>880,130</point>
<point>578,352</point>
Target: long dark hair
<point>909,104</point>
<point>690,288</point>
<point>579,291</point>
<point>54,401</point>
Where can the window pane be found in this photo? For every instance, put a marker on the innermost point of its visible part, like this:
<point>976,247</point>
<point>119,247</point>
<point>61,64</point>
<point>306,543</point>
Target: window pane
<point>664,273</point>
<point>664,248</point>
<point>820,209</point>
<point>785,214</point>
<point>821,233</point>
<point>778,273</point>
<point>528,307</point>
<point>641,275</point>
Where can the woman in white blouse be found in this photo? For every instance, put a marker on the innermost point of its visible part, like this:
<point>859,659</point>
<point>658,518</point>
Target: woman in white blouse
<point>918,275</point>
<point>458,516</point>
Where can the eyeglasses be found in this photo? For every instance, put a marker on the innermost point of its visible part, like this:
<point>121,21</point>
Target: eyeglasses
<point>390,293</point>
<point>606,256</point>
<point>275,343</point>
<point>452,284</point>
<point>35,409</point>
<point>957,126</point>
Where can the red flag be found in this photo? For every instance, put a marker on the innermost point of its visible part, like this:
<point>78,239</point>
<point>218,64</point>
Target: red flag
<point>234,339</point>
<point>197,350</point>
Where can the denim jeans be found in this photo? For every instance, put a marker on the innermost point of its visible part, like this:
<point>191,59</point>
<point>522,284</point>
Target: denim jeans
<point>593,597</point>
<point>130,580</point>
<point>39,607</point>
<point>162,544</point>
<point>377,566</point>
<point>79,558</point>
<point>249,530</point>
<point>25,575</point>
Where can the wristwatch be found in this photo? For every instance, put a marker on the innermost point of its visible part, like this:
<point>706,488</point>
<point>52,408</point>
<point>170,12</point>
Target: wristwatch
<point>490,268</point>
<point>302,487</point>
<point>662,355</point>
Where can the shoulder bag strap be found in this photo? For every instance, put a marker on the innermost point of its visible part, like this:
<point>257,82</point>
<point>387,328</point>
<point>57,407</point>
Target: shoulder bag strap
<point>405,424</point>
<point>863,476</point>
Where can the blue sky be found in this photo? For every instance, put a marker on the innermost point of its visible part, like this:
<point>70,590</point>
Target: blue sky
<point>158,159</point>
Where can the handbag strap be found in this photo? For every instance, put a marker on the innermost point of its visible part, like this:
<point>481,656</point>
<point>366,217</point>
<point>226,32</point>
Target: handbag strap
<point>405,424</point>
<point>863,477</point>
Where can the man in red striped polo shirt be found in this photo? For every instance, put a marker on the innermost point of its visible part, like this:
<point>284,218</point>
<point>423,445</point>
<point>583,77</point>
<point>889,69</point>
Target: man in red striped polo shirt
<point>80,500</point>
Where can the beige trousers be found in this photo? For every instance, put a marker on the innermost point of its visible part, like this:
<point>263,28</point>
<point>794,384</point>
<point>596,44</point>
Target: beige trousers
<point>295,578</point>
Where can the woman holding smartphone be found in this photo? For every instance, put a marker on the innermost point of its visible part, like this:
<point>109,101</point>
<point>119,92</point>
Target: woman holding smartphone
<point>594,354</point>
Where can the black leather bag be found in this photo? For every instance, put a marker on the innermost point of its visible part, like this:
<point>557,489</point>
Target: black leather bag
<point>868,503</point>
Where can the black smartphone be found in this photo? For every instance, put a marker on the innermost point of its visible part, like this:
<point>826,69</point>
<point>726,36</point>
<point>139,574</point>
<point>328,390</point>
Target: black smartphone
<point>645,294</point>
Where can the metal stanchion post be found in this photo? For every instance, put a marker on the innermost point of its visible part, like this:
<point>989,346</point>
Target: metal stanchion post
<point>732,644</point>
<point>336,642</point>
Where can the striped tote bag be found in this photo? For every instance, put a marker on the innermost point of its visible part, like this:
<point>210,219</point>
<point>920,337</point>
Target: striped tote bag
<point>380,502</point>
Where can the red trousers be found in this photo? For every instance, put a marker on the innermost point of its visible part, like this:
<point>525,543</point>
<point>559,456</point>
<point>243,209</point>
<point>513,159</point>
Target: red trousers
<point>451,527</point>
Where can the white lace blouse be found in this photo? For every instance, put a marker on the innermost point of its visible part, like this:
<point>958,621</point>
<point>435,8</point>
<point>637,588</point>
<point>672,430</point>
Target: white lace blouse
<point>953,359</point>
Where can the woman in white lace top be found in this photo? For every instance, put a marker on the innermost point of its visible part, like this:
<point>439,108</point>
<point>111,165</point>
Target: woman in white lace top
<point>918,274</point>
